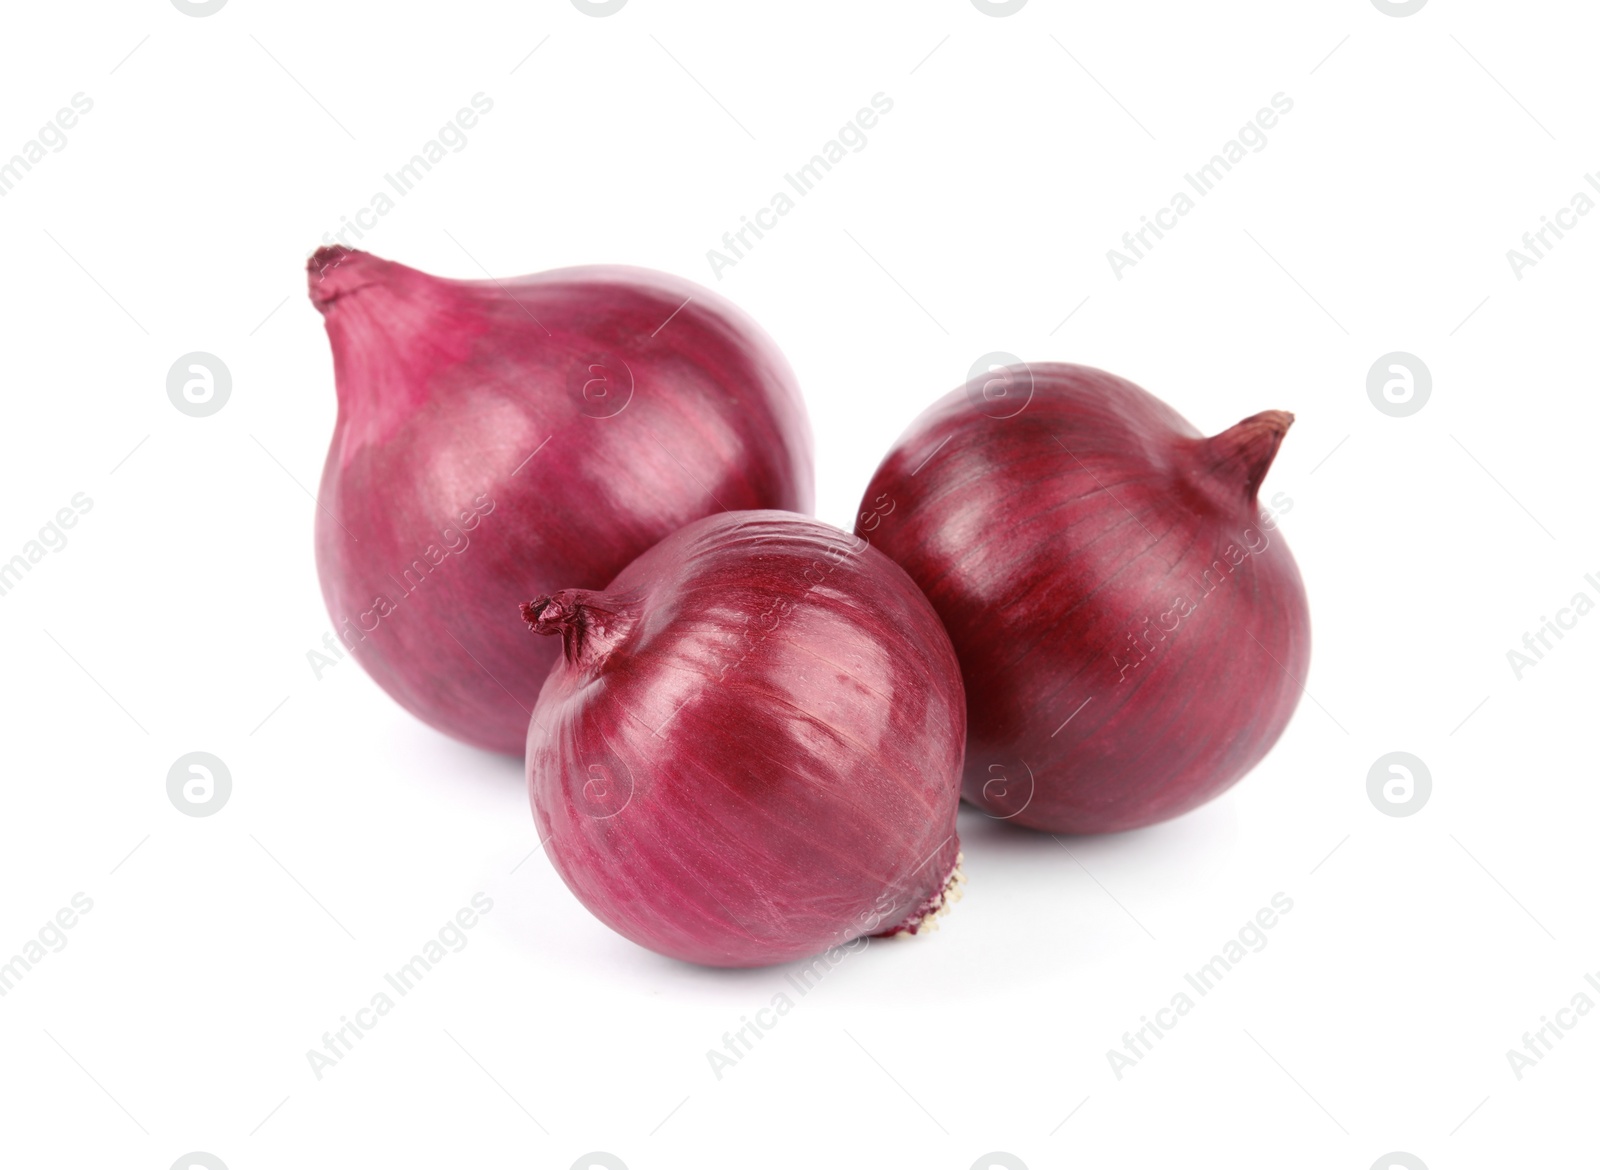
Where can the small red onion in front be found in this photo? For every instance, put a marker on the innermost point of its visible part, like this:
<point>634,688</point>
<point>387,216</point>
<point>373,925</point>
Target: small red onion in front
<point>1131,627</point>
<point>751,748</point>
<point>497,438</point>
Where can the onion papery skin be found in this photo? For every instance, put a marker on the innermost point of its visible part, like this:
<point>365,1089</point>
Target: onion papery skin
<point>498,439</point>
<point>1132,629</point>
<point>751,749</point>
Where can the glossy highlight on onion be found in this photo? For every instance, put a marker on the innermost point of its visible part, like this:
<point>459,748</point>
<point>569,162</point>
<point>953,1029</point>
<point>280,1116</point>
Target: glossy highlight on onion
<point>750,751</point>
<point>498,439</point>
<point>1132,630</point>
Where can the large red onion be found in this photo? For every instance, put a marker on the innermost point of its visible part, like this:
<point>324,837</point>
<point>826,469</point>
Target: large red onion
<point>496,439</point>
<point>1131,628</point>
<point>751,749</point>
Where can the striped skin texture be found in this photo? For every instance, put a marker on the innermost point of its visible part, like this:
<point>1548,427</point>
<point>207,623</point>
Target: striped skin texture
<point>1132,629</point>
<point>499,439</point>
<point>751,749</point>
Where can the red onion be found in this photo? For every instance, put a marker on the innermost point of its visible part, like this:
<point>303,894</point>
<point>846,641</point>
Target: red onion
<point>751,749</point>
<point>499,438</point>
<point>1132,632</point>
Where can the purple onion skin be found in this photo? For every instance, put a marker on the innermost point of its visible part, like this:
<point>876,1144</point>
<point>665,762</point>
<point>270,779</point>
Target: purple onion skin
<point>1065,539</point>
<point>751,749</point>
<point>498,439</point>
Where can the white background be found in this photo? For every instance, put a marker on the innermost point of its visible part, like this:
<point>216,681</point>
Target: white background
<point>178,617</point>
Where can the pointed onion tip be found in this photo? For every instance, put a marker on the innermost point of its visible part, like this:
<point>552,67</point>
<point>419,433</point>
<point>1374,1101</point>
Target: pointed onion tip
<point>533,610</point>
<point>1244,452</point>
<point>333,272</point>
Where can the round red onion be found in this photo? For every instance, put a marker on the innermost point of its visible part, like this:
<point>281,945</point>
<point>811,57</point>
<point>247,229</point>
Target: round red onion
<point>500,438</point>
<point>751,749</point>
<point>1131,628</point>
